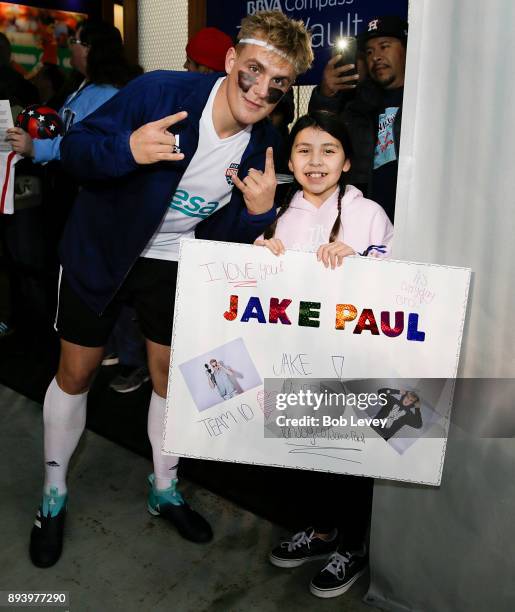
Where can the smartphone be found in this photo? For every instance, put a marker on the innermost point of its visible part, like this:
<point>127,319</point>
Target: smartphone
<point>347,47</point>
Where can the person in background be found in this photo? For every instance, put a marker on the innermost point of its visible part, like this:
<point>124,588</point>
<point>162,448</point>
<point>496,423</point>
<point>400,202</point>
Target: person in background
<point>373,116</point>
<point>13,86</point>
<point>126,348</point>
<point>206,51</point>
<point>98,55</point>
<point>50,82</point>
<point>20,236</point>
<point>337,87</point>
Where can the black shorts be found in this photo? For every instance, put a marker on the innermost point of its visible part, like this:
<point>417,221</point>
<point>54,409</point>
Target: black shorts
<point>149,288</point>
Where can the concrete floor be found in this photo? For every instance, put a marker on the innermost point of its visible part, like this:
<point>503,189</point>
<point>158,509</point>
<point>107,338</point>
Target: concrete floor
<point>117,557</point>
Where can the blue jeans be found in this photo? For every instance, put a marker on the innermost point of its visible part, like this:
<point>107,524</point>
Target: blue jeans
<point>126,340</point>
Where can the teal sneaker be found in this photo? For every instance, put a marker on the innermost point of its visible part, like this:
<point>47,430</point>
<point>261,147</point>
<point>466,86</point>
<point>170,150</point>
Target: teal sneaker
<point>54,503</point>
<point>5,329</point>
<point>46,538</point>
<point>170,505</point>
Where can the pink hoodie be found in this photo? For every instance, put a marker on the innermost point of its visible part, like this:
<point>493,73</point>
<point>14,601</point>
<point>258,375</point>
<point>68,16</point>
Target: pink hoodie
<point>303,227</point>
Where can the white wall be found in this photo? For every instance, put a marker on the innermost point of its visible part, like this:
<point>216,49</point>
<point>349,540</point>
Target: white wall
<point>456,189</point>
<point>450,549</point>
<point>163,33</point>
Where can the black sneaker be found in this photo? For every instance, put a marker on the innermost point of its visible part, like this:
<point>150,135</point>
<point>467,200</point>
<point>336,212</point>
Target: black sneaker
<point>303,546</point>
<point>170,505</point>
<point>132,381</point>
<point>339,574</point>
<point>46,537</point>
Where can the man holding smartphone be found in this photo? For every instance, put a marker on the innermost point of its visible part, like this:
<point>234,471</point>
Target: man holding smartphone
<point>344,70</point>
<point>372,108</point>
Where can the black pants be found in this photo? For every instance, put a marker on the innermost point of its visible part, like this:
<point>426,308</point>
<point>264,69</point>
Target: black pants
<point>328,501</point>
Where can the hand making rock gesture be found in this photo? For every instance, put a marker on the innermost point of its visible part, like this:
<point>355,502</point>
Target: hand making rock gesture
<point>153,143</point>
<point>258,188</point>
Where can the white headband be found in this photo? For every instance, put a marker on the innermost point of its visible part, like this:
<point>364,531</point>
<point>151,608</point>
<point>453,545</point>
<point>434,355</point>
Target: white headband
<point>268,46</point>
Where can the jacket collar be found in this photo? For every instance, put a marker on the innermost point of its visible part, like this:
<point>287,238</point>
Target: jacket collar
<point>197,99</point>
<point>195,102</point>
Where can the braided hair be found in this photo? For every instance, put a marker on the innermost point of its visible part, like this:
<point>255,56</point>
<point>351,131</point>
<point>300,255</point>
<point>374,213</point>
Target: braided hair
<point>327,122</point>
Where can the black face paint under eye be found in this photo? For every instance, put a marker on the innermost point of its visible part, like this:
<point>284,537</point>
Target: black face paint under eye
<point>274,95</point>
<point>247,80</point>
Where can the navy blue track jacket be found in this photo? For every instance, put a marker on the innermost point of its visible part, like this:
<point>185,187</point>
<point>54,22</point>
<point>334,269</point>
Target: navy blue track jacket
<point>121,203</point>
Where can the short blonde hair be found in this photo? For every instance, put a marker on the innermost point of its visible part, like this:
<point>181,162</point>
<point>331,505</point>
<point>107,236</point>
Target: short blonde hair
<point>287,35</point>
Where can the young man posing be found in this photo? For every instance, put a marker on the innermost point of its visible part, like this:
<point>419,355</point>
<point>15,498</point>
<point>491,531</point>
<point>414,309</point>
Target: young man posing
<point>156,163</point>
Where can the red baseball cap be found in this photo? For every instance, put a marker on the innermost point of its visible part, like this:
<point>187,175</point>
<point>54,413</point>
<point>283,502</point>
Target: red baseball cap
<point>209,47</point>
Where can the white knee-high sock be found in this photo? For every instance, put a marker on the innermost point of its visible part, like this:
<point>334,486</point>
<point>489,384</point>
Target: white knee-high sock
<point>165,466</point>
<point>64,419</point>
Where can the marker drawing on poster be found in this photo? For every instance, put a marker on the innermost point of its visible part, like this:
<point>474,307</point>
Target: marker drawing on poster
<point>279,361</point>
<point>6,122</point>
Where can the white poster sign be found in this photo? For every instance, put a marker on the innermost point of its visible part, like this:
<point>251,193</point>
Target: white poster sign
<point>6,122</point>
<point>280,361</point>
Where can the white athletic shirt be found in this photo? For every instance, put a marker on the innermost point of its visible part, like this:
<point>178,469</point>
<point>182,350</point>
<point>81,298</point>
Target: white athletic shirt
<point>205,187</point>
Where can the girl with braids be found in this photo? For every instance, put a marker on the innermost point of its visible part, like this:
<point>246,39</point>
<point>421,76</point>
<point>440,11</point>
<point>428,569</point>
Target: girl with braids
<point>322,213</point>
<point>325,215</point>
